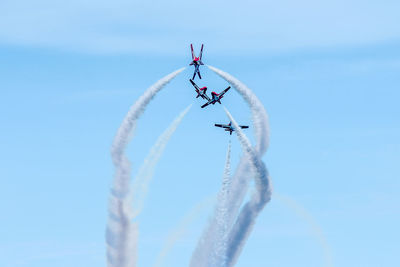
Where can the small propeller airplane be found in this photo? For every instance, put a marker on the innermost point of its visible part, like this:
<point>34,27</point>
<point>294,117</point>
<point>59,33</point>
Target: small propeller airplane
<point>196,61</point>
<point>215,97</point>
<point>229,128</point>
<point>201,92</point>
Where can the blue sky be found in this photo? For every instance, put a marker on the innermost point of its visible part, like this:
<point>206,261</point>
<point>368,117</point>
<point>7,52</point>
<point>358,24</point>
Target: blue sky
<point>326,71</point>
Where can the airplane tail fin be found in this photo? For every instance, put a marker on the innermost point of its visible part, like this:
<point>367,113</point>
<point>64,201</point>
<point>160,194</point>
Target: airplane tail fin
<point>201,53</point>
<point>198,72</point>
<point>191,48</point>
<point>194,75</point>
<point>219,101</point>
<point>197,95</point>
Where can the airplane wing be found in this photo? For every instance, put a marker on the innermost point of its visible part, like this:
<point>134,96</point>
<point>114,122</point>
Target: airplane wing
<point>223,92</point>
<point>195,85</point>
<point>191,47</point>
<point>221,125</point>
<point>205,96</point>
<point>206,104</point>
<point>201,52</point>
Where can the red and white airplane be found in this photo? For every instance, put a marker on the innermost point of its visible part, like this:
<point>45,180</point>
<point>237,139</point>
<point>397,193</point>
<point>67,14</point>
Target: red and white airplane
<point>196,61</point>
<point>215,97</point>
<point>200,91</point>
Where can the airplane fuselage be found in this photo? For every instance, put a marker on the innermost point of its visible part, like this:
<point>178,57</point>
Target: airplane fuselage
<point>196,61</point>
<point>215,98</point>
<point>202,93</point>
<point>230,130</point>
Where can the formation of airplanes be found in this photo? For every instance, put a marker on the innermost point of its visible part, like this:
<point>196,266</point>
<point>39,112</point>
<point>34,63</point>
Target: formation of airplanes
<point>202,92</point>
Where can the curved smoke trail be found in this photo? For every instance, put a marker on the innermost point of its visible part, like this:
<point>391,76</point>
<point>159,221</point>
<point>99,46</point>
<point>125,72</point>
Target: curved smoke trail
<point>121,234</point>
<point>146,172</point>
<point>261,129</point>
<point>239,180</point>
<point>218,258</point>
<point>262,195</point>
<point>316,229</point>
<point>259,114</point>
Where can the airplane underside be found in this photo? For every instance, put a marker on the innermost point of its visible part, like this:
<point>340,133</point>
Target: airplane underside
<point>196,71</point>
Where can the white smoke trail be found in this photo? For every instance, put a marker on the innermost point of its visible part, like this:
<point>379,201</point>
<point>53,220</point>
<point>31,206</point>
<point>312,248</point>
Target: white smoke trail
<point>218,257</point>
<point>246,219</point>
<point>213,253</point>
<point>239,182</point>
<point>316,229</point>
<point>259,115</point>
<point>146,171</point>
<point>261,129</point>
<point>121,235</point>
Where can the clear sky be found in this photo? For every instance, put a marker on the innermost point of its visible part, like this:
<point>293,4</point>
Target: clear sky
<point>328,73</point>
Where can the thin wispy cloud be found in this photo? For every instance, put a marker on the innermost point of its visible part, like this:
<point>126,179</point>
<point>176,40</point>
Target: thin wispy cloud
<point>126,26</point>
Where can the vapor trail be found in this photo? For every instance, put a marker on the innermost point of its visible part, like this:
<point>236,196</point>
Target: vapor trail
<point>259,115</point>
<point>121,234</point>
<point>261,196</point>
<point>212,251</point>
<point>314,226</point>
<point>146,171</point>
<point>239,181</point>
<point>261,129</point>
<point>218,257</point>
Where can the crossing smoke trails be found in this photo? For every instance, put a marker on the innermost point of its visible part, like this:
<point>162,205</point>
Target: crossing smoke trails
<point>223,241</point>
<point>241,179</point>
<point>261,128</point>
<point>121,234</point>
<point>244,224</point>
<point>145,174</point>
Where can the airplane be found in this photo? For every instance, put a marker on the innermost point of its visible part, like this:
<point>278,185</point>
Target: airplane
<point>200,91</point>
<point>196,61</point>
<point>216,97</point>
<point>229,128</point>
